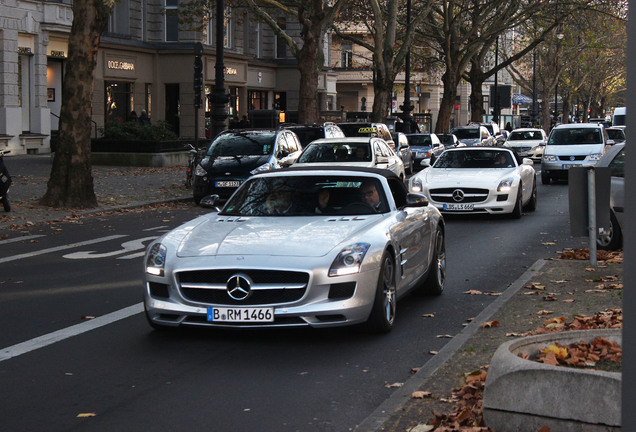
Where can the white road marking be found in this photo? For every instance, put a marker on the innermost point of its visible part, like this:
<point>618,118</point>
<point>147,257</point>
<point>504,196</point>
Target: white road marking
<point>60,248</point>
<point>127,247</point>
<point>157,228</point>
<point>57,336</point>
<point>23,238</point>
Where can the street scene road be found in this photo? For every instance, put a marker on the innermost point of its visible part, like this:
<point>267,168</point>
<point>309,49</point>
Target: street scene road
<point>79,355</point>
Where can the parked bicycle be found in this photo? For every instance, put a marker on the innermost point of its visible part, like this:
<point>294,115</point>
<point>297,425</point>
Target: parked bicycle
<point>5,182</point>
<point>192,164</point>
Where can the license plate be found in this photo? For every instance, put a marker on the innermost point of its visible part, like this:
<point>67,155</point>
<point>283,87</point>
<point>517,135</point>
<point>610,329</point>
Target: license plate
<point>217,314</point>
<point>452,206</point>
<point>228,183</point>
<point>567,166</point>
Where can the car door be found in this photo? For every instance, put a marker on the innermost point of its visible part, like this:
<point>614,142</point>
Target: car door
<point>411,231</point>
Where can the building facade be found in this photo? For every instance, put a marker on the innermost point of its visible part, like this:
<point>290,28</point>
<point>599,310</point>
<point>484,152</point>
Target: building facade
<point>146,62</point>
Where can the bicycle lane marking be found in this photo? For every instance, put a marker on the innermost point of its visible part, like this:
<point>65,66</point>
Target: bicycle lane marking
<point>60,248</point>
<point>77,329</point>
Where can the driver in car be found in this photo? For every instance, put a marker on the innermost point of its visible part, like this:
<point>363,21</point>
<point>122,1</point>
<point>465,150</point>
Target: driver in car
<point>279,202</point>
<point>371,196</point>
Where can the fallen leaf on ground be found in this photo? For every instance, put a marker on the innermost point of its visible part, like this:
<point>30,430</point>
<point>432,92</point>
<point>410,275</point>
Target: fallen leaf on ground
<point>82,415</point>
<point>489,324</point>
<point>473,292</point>
<point>544,312</point>
<point>568,301</point>
<point>444,336</point>
<point>429,315</point>
<point>394,385</point>
<point>421,394</point>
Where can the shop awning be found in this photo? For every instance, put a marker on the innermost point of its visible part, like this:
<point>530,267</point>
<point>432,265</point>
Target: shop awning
<point>521,99</point>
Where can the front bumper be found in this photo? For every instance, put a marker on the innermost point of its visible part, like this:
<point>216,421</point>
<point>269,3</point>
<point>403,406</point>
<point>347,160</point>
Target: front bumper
<point>325,302</point>
<point>494,203</point>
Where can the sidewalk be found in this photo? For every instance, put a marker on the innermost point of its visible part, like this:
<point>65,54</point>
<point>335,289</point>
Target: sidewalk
<point>115,187</point>
<point>570,287</point>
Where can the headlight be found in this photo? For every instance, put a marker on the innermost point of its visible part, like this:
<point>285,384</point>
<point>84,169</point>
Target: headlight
<point>156,260</point>
<point>505,185</point>
<point>416,184</point>
<point>262,168</point>
<point>200,171</point>
<point>594,156</point>
<point>549,158</point>
<point>349,259</point>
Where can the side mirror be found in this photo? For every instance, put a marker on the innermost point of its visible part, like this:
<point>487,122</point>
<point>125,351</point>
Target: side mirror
<point>209,201</point>
<point>283,154</point>
<point>528,161</point>
<point>611,142</point>
<point>416,200</point>
<point>381,160</point>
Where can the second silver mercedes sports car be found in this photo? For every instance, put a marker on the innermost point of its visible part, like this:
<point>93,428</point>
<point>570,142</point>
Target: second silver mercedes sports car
<point>300,247</point>
<point>479,180</point>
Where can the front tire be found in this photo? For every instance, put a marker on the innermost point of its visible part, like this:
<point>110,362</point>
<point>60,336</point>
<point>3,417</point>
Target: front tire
<point>384,306</point>
<point>516,212</point>
<point>532,203</point>
<point>613,240</point>
<point>436,277</point>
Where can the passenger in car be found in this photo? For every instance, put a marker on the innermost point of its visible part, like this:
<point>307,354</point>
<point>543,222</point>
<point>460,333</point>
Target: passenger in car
<point>322,206</point>
<point>279,202</point>
<point>371,196</point>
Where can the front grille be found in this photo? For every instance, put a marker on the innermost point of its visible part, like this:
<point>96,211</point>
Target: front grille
<point>569,158</point>
<point>268,286</point>
<point>471,195</point>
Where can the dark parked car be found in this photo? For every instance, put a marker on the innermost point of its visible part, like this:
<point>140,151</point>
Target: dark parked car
<point>449,140</point>
<point>235,155</point>
<point>424,146</point>
<point>309,133</point>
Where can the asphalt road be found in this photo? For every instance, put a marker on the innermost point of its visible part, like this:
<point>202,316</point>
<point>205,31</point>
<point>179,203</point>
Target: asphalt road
<point>62,370</point>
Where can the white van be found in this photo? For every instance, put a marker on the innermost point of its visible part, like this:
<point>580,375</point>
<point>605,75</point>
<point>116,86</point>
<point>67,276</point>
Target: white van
<point>619,117</point>
<point>572,145</point>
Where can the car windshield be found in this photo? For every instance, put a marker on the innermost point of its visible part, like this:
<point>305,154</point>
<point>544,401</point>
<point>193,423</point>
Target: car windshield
<point>466,133</point>
<point>524,135</point>
<point>616,134</point>
<point>423,140</point>
<point>574,136</point>
<point>309,134</point>
<point>475,159</point>
<point>243,144</point>
<point>307,195</point>
<point>446,139</point>
<point>336,152</point>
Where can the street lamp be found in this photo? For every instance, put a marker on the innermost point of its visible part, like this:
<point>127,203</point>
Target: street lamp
<point>219,97</point>
<point>495,114</point>
<point>533,114</point>
<point>407,107</point>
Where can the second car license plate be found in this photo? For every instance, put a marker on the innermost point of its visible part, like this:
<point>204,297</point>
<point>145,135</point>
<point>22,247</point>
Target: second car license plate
<point>228,183</point>
<point>567,166</point>
<point>452,206</point>
<point>218,314</point>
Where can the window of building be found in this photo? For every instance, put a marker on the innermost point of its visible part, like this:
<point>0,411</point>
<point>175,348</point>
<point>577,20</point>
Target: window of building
<point>24,90</point>
<point>119,19</point>
<point>172,20</point>
<point>257,99</point>
<point>280,101</point>
<point>119,99</point>
<point>346,54</point>
<point>148,99</point>
<point>281,44</point>
<point>227,30</point>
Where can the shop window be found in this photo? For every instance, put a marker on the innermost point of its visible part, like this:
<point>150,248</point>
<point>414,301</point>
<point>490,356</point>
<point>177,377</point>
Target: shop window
<point>119,100</point>
<point>148,99</point>
<point>24,90</point>
<point>119,20</point>
<point>280,101</point>
<point>346,54</point>
<point>257,99</point>
<point>172,20</point>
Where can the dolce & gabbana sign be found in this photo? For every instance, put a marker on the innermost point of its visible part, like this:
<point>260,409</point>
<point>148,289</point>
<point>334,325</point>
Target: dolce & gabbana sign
<point>120,66</point>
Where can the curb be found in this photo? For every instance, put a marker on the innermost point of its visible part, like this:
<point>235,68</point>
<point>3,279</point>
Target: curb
<point>375,421</point>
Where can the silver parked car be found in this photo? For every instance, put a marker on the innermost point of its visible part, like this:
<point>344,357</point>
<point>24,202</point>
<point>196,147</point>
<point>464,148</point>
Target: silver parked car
<point>299,247</point>
<point>614,158</point>
<point>527,142</point>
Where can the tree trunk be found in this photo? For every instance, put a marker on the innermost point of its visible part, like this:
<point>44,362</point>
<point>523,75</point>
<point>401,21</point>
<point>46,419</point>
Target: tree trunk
<point>308,111</point>
<point>476,79</point>
<point>546,116</point>
<point>71,182</point>
<point>567,103</point>
<point>382,89</point>
<point>448,102</point>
